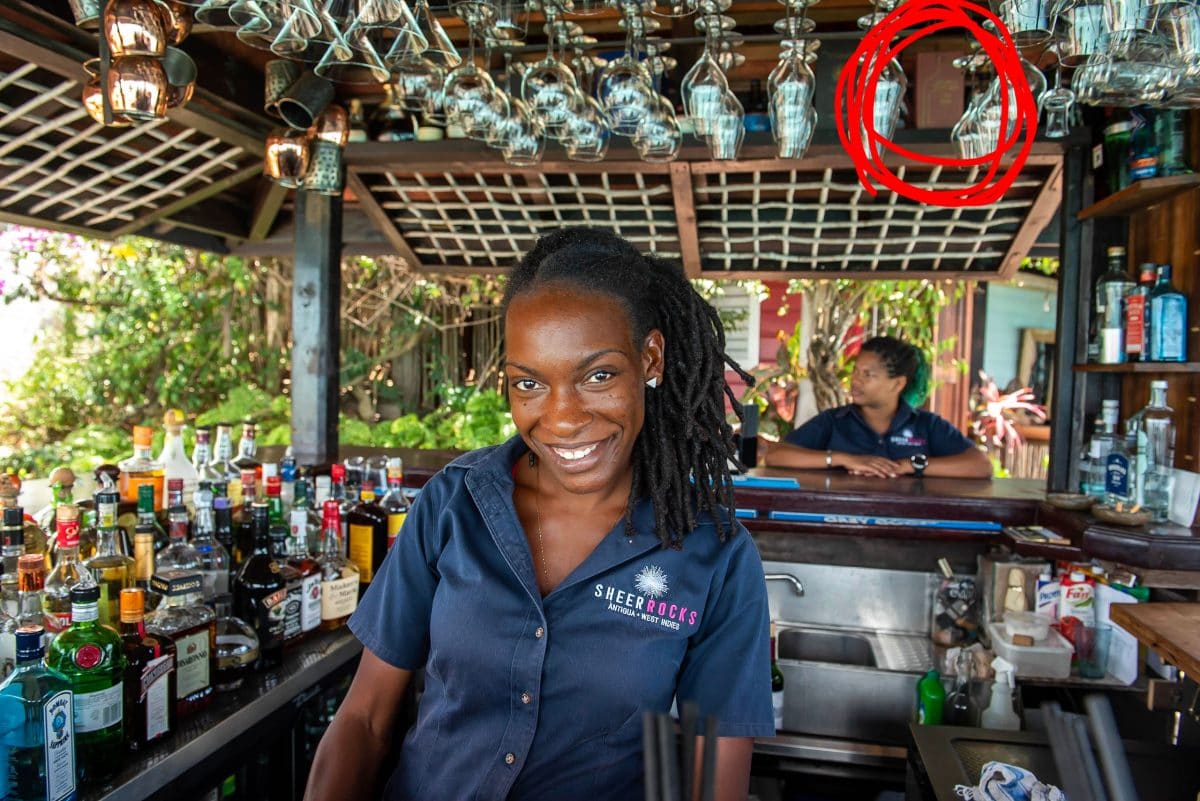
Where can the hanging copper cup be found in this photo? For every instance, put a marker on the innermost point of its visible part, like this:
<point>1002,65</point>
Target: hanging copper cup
<point>287,155</point>
<point>138,88</point>
<point>93,99</point>
<point>135,28</point>
<point>332,126</point>
<point>181,76</point>
<point>86,13</point>
<point>177,20</point>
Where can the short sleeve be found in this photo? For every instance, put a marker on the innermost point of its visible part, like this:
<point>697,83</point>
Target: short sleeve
<point>727,667</point>
<point>815,434</point>
<point>945,439</point>
<point>392,619</point>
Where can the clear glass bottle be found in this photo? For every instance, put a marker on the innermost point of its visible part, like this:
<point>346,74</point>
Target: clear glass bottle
<point>214,559</point>
<point>111,567</point>
<point>62,490</point>
<point>12,548</point>
<point>339,576</point>
<point>287,477</point>
<point>223,453</point>
<point>1120,482</point>
<point>960,709</point>
<point>179,553</point>
<point>237,647</point>
<point>31,582</point>
<point>247,448</point>
<point>1168,320</point>
<point>1111,288</point>
<point>37,718</point>
<point>394,504</point>
<point>149,675</point>
<point>260,594</point>
<point>142,469</point>
<point>173,459</point>
<point>8,642</point>
<point>303,521</point>
<point>68,573</point>
<point>202,457</point>
<point>92,658</point>
<point>1156,451</point>
<point>33,536</point>
<point>192,627</point>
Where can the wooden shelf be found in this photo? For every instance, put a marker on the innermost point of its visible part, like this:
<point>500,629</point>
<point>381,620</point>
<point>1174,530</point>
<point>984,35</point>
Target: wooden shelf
<point>1149,368</point>
<point>1171,630</point>
<point>1140,196</point>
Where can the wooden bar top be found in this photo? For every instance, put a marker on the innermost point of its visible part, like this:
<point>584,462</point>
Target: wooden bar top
<point>1171,630</point>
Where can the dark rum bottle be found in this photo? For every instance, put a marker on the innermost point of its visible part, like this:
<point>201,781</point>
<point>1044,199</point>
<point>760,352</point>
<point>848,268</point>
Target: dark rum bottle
<point>260,594</point>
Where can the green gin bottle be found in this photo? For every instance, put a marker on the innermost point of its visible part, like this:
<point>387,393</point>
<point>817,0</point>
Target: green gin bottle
<point>37,727</point>
<point>92,658</point>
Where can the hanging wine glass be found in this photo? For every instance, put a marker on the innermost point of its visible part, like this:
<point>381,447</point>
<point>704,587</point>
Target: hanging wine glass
<point>625,87</point>
<point>728,129</point>
<point>705,84</point>
<point>658,137</point>
<point>548,85</point>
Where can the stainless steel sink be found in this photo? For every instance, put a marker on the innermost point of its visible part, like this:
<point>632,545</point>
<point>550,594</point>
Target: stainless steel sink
<point>817,645</point>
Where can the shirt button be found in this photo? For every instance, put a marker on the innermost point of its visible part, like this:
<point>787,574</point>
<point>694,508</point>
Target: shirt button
<point>509,759</point>
<point>538,632</point>
<point>526,698</point>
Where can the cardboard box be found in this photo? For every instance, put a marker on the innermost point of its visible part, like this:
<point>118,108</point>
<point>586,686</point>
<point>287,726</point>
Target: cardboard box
<point>939,93</point>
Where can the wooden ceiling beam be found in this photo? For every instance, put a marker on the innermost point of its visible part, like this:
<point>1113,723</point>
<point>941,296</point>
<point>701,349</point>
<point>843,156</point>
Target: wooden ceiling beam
<point>685,218</point>
<point>383,222</point>
<point>1040,214</point>
<point>266,209</point>
<point>215,188</point>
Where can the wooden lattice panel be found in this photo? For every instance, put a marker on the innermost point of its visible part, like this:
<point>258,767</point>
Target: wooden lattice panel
<point>60,168</point>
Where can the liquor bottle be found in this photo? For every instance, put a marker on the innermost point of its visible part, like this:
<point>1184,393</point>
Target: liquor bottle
<point>1120,479</point>
<point>394,504</point>
<point>141,469</point>
<point>34,538</point>
<point>1156,451</point>
<point>31,582</point>
<point>1136,316</point>
<point>223,452</point>
<point>323,491</point>
<point>37,718</point>
<point>12,548</point>
<point>149,675</point>
<point>223,530</point>
<point>776,684</point>
<point>259,594</point>
<point>293,583</point>
<point>358,123</point>
<point>243,522</point>
<point>339,576</point>
<point>174,461</point>
<point>1169,132</point>
<point>368,536</point>
<point>67,574</point>
<point>1100,446</point>
<point>247,448</point>
<point>92,658</point>
<point>337,490</point>
<point>309,573</point>
<point>237,647</point>
<point>1143,147</point>
<point>146,536</point>
<point>202,457</point>
<point>304,523</point>
<point>8,642</point>
<point>111,567</point>
<point>287,475</point>
<point>1168,320</point>
<point>62,490</point>
<point>192,627</point>
<point>179,554</point>
<point>1111,288</point>
<point>214,559</point>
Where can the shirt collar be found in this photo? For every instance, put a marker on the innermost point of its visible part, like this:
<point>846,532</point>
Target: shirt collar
<point>904,412</point>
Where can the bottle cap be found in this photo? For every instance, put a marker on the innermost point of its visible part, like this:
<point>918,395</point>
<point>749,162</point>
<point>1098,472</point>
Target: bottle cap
<point>330,514</point>
<point>202,434</point>
<point>175,485</point>
<point>1116,250</point>
<point>133,604</point>
<point>248,429</point>
<point>337,473</point>
<point>173,420</point>
<point>176,583</point>
<point>1159,384</point>
<point>1077,575</point>
<point>367,494</point>
<point>31,572</point>
<point>14,516</point>
<point>31,561</point>
<point>249,478</point>
<point>85,595</point>
<point>273,484</point>
<point>29,642</point>
<point>142,436</point>
<point>145,498</point>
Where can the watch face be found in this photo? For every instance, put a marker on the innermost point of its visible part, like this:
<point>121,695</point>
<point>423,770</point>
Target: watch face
<point>919,461</point>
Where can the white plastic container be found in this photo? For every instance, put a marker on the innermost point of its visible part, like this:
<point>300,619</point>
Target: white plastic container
<point>1049,659</point>
<point>1030,624</point>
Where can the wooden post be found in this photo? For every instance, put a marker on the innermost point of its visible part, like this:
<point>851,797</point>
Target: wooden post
<point>316,327</point>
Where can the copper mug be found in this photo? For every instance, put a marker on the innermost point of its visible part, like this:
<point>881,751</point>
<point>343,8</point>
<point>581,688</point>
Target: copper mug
<point>177,20</point>
<point>138,88</point>
<point>287,156</point>
<point>332,126</point>
<point>93,99</point>
<point>135,28</point>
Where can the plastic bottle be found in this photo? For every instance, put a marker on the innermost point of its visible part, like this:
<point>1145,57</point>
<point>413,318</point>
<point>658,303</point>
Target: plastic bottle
<point>1078,595</point>
<point>1000,713</point>
<point>931,698</point>
<point>1048,595</point>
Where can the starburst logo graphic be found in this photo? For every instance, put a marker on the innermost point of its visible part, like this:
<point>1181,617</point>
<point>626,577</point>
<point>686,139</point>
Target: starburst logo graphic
<point>651,580</point>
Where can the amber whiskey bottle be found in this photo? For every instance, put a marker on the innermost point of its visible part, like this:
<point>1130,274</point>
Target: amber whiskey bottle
<point>368,535</point>
<point>149,675</point>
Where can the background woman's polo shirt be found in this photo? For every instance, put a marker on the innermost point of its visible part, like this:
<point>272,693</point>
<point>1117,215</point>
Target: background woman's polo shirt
<point>912,431</point>
<point>532,698</point>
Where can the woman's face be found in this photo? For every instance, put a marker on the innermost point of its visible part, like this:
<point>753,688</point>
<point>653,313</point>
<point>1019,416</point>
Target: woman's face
<point>576,384</point>
<point>870,384</point>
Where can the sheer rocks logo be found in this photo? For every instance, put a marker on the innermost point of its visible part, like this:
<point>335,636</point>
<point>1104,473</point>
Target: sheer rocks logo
<point>648,602</point>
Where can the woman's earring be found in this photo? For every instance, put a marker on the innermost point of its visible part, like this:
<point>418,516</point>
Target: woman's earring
<point>652,383</point>
<point>532,459</point>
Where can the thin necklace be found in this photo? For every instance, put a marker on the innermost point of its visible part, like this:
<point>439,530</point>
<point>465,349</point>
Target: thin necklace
<point>537,510</point>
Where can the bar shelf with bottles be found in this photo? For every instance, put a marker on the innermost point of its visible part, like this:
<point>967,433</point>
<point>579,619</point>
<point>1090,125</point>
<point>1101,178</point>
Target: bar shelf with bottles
<point>145,619</point>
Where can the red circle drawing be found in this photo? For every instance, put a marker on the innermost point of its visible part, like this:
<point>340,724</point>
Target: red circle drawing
<point>854,103</point>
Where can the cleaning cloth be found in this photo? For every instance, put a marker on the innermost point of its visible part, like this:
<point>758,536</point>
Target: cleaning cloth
<point>1003,782</point>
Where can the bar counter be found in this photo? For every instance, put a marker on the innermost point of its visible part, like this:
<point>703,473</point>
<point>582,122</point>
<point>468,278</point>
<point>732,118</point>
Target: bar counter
<point>232,724</point>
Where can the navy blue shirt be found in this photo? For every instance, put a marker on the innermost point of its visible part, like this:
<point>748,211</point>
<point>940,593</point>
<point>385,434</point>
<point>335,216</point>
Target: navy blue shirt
<point>542,698</point>
<point>912,431</point>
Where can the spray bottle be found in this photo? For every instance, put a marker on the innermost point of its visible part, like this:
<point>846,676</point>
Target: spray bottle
<point>1000,713</point>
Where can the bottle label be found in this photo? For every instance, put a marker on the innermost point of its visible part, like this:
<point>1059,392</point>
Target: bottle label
<point>1169,329</point>
<point>362,550</point>
<point>68,534</point>
<point>194,661</point>
<point>1116,475</point>
<point>310,602</point>
<point>395,521</point>
<point>1135,317</point>
<point>777,708</point>
<point>271,609</point>
<point>59,738</point>
<point>99,710</point>
<point>143,555</point>
<point>55,622</point>
<point>155,695</point>
<point>299,526</point>
<point>339,597</point>
<point>292,626</point>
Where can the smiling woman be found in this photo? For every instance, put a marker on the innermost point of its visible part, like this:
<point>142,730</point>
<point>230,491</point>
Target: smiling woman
<point>557,587</point>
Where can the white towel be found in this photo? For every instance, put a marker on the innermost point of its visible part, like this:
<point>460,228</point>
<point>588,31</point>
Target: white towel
<point>1003,782</point>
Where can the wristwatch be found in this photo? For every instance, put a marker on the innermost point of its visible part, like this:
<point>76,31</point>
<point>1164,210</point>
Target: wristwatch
<point>828,459</point>
<point>919,462</point>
